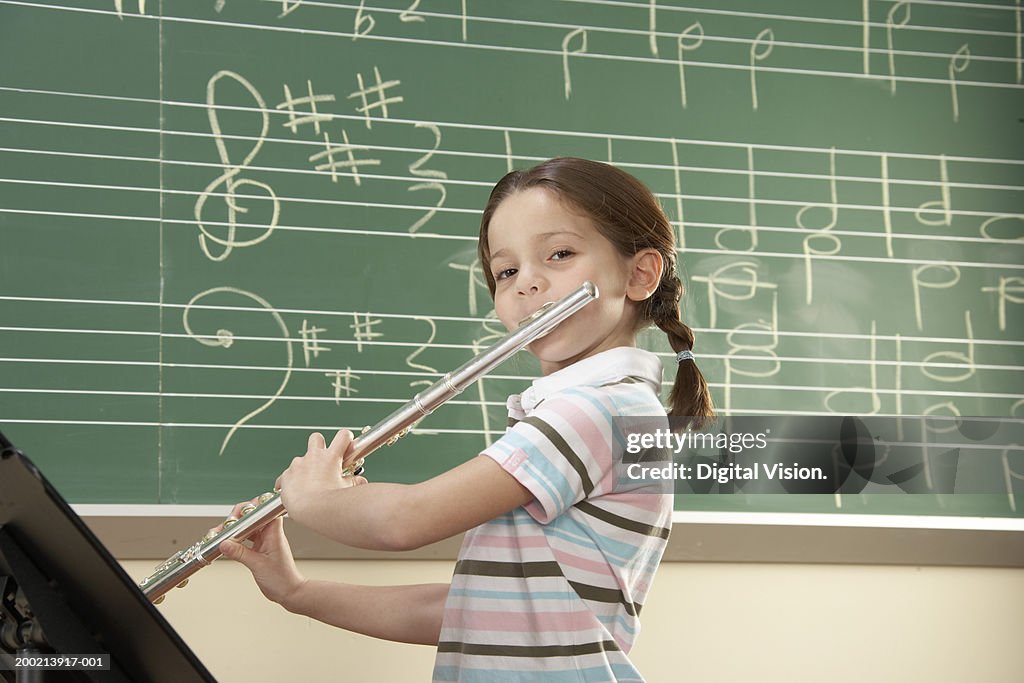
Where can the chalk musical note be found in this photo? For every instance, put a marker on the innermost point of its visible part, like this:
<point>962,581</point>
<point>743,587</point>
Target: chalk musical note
<point>475,281</point>
<point>1005,291</point>
<point>677,177</point>
<point>809,254</point>
<point>955,356</point>
<point>751,207</point>
<point>944,203</point>
<point>378,90</point>
<point>363,329</point>
<point>934,426</point>
<point>898,389</point>
<point>865,20</point>
<point>342,382</point>
<point>759,51</point>
<point>119,6</point>
<point>314,117</point>
<point>1009,475</point>
<point>420,349</point>
<point>919,283</point>
<point>833,204</point>
<point>747,286</point>
<point>687,43</point>
<point>362,20</point>
<point>416,169</point>
<point>509,167</point>
<point>1002,217</point>
<point>886,206</point>
<point>652,25</point>
<point>310,341</point>
<point>350,163</point>
<point>876,401</point>
<point>891,22</point>
<point>582,49</point>
<point>410,13</point>
<point>225,338</point>
<point>747,347</point>
<point>492,330</point>
<point>958,63</point>
<point>229,178</point>
<point>288,6</point>
<point>1020,56</point>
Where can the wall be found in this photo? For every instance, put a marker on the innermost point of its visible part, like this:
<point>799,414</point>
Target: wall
<point>704,622</point>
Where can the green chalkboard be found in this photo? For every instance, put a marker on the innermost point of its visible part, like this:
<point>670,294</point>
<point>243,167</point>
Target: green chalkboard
<point>224,224</point>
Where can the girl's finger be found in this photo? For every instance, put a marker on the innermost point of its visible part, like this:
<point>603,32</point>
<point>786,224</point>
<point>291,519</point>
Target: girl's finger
<point>316,440</point>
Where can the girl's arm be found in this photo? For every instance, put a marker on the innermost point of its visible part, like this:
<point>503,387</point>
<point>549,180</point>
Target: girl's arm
<point>393,516</point>
<point>406,614</point>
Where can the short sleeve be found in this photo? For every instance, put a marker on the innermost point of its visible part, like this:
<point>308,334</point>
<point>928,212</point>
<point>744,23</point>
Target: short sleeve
<point>561,452</point>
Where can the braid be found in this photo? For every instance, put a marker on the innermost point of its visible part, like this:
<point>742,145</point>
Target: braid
<point>690,395</point>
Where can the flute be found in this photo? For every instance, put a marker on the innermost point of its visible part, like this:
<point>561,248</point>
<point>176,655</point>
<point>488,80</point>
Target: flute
<point>176,570</point>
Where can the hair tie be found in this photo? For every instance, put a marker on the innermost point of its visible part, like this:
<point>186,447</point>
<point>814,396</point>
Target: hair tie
<point>684,355</point>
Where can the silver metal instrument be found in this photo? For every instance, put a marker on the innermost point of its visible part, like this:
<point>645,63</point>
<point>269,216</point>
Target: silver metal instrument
<point>176,570</point>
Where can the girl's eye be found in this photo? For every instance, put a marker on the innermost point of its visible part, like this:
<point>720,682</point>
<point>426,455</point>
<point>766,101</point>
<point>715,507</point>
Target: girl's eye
<point>502,274</point>
<point>562,254</point>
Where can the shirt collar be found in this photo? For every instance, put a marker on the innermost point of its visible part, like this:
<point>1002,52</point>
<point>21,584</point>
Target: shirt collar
<point>601,368</point>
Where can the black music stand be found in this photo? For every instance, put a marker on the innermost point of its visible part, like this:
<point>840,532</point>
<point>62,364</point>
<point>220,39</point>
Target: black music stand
<point>80,597</point>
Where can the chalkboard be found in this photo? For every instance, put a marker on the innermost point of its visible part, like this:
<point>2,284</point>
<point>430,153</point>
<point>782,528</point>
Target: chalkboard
<point>226,224</point>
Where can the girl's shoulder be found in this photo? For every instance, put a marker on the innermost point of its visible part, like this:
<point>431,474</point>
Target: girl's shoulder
<point>626,396</point>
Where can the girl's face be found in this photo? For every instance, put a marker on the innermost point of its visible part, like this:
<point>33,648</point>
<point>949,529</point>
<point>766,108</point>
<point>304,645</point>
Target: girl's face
<point>541,250</point>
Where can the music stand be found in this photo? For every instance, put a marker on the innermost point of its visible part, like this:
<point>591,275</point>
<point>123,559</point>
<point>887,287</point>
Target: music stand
<point>80,596</point>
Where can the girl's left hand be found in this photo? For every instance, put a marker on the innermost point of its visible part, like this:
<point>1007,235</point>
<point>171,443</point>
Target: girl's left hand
<point>318,472</point>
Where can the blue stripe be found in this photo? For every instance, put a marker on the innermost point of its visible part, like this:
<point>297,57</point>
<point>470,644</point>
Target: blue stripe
<point>542,464</point>
<point>609,546</point>
<point>619,622</point>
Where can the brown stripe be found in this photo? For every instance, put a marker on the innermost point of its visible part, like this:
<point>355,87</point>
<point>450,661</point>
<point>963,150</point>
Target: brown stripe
<point>526,570</point>
<point>611,595</point>
<point>625,380</point>
<point>560,444</point>
<point>622,522</point>
<point>512,422</point>
<point>518,570</point>
<point>528,650</point>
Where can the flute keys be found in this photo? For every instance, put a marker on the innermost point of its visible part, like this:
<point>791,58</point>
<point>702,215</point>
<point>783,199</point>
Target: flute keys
<point>182,584</point>
<point>265,497</point>
<point>396,437</point>
<point>159,600</point>
<point>247,509</point>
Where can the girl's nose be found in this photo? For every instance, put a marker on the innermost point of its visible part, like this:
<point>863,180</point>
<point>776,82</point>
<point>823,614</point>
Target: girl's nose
<point>531,281</point>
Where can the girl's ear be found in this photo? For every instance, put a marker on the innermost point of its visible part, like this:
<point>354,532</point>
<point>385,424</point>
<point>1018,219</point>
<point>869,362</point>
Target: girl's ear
<point>645,274</point>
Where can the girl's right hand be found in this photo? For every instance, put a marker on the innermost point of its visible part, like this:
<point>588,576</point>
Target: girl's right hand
<point>269,559</point>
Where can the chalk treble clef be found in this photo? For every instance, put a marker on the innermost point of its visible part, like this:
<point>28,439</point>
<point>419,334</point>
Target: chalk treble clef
<point>230,177</point>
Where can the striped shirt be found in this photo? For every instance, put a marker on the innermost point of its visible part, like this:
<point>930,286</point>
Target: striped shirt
<point>552,590</point>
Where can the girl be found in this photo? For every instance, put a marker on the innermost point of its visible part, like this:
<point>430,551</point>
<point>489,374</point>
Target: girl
<point>556,562</point>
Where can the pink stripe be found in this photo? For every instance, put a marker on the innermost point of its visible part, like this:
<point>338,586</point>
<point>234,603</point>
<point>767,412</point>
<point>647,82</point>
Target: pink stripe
<point>570,560</point>
<point>479,620</point>
<point>645,502</point>
<point>585,420</point>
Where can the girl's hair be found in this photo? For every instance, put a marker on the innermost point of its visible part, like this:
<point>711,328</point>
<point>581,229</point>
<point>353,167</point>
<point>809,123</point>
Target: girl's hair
<point>627,214</point>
